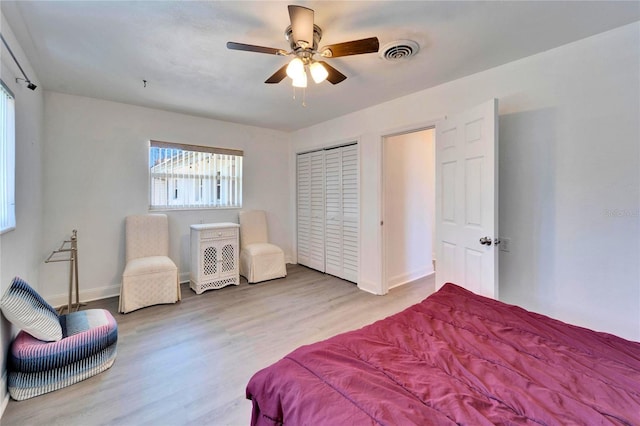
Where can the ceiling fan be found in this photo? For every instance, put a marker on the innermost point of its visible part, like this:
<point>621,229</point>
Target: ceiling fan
<point>303,36</point>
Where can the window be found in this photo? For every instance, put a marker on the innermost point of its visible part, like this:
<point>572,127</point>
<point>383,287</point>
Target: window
<point>191,177</point>
<point>7,159</point>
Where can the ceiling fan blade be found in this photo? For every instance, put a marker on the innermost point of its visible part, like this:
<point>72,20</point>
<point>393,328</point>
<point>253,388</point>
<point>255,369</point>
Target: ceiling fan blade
<point>334,76</point>
<point>251,48</point>
<point>301,25</point>
<point>355,47</point>
<point>278,76</point>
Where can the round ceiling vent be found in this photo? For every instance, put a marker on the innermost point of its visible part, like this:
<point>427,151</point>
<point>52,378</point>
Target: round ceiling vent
<point>399,50</point>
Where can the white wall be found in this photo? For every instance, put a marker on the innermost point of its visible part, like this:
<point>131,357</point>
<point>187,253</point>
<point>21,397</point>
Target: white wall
<point>569,181</point>
<point>96,173</point>
<point>21,247</point>
<point>409,198</point>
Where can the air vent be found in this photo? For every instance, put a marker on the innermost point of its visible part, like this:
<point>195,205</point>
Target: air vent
<point>399,50</point>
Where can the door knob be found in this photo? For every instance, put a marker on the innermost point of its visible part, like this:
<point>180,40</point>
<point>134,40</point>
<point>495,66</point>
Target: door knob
<point>486,241</point>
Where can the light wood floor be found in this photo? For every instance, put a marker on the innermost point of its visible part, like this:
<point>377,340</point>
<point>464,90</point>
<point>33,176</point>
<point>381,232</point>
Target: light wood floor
<point>189,363</point>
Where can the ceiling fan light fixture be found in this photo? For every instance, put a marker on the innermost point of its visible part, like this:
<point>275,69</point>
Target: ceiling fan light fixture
<point>300,81</point>
<point>295,69</point>
<point>318,72</point>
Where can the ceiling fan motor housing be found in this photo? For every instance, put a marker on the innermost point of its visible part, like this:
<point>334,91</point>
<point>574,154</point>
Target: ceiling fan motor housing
<point>317,36</point>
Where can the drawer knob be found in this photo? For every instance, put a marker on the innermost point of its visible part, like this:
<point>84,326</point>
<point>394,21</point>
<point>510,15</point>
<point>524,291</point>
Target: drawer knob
<point>219,234</point>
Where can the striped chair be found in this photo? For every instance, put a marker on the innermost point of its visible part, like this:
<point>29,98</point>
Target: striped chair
<point>86,347</point>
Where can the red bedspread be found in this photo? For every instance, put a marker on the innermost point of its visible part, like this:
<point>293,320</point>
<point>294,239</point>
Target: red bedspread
<point>454,358</point>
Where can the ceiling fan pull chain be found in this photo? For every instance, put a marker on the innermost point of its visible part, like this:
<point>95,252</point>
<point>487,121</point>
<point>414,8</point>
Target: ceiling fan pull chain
<point>304,96</point>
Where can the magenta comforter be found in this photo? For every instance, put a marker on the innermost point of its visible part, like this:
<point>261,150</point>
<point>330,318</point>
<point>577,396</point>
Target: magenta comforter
<point>455,358</point>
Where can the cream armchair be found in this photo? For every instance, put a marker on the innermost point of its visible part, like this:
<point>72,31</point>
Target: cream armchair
<point>150,277</point>
<point>259,260</point>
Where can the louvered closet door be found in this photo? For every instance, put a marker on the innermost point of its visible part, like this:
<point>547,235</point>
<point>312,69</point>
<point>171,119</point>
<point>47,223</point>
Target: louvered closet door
<point>317,236</point>
<point>304,208</point>
<point>350,213</point>
<point>333,211</point>
<point>341,212</point>
<point>328,216</point>
<point>310,206</point>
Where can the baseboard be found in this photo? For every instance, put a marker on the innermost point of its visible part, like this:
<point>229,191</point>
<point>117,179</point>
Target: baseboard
<point>86,295</point>
<point>369,287</point>
<point>4,393</point>
<point>408,277</point>
<point>106,291</point>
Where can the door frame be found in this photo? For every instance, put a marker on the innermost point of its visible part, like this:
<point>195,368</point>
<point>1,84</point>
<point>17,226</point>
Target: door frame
<point>427,125</point>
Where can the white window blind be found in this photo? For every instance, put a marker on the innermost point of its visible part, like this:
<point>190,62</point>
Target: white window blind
<point>7,159</point>
<point>190,177</point>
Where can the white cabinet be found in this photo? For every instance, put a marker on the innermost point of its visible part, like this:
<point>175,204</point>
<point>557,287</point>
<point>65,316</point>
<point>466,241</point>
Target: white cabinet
<point>328,214</point>
<point>214,256</point>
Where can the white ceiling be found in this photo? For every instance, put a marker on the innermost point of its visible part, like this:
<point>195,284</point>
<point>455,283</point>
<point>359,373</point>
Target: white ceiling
<point>105,49</point>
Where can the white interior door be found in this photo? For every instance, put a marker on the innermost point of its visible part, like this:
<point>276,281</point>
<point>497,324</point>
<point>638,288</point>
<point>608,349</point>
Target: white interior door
<point>467,199</point>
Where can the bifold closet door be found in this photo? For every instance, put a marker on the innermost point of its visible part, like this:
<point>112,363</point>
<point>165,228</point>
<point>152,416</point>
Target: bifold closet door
<point>303,208</point>
<point>310,207</point>
<point>341,212</point>
<point>350,213</point>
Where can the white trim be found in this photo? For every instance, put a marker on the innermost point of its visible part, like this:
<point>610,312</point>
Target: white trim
<point>403,279</point>
<point>370,287</point>
<point>86,295</point>
<point>416,127</point>
<point>335,144</point>
<point>106,292</point>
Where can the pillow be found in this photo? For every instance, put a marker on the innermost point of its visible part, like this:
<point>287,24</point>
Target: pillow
<point>28,311</point>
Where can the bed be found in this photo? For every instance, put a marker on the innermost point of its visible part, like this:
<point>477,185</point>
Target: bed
<point>455,358</point>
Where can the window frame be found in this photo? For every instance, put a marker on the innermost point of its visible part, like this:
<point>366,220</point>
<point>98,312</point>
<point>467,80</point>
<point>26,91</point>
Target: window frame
<point>7,160</point>
<point>194,189</point>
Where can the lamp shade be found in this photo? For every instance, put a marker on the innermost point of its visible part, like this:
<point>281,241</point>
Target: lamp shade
<point>295,69</point>
<point>300,81</point>
<point>318,72</point>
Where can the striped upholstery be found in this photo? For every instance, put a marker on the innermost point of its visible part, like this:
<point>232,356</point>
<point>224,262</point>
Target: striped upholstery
<point>28,311</point>
<point>87,348</point>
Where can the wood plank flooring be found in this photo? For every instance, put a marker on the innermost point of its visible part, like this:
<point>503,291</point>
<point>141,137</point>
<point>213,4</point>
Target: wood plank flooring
<point>189,363</point>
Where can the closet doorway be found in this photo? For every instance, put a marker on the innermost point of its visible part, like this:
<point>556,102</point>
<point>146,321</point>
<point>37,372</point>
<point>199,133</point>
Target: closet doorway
<point>408,193</point>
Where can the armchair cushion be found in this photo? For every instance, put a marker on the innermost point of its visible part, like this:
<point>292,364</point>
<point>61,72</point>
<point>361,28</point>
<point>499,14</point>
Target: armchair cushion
<point>259,249</point>
<point>262,262</point>
<point>148,265</point>
<point>27,310</point>
<point>87,348</point>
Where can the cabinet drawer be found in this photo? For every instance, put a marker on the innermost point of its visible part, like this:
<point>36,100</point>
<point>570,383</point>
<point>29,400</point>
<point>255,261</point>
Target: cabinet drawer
<point>211,234</point>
